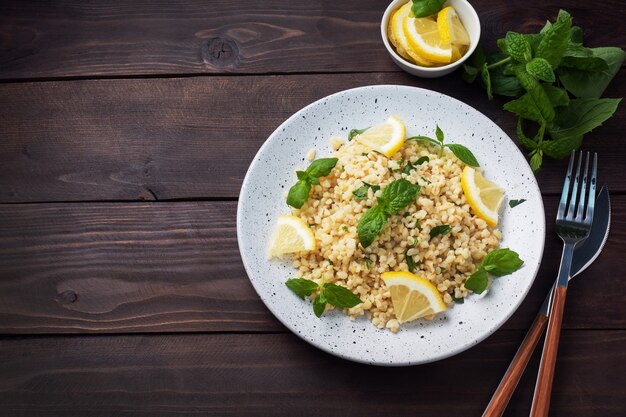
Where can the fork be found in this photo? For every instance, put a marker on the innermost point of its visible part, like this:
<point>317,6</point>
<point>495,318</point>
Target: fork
<point>573,224</point>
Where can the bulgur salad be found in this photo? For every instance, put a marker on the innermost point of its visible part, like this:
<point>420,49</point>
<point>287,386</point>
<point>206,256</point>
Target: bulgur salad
<point>391,227</point>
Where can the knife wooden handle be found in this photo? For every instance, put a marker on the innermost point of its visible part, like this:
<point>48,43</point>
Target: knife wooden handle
<point>543,388</point>
<point>501,397</point>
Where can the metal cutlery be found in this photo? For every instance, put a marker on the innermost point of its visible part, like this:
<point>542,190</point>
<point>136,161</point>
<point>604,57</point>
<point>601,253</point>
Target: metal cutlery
<point>573,225</point>
<point>584,255</point>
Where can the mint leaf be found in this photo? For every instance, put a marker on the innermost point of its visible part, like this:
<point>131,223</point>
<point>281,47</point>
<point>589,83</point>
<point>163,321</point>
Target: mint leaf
<point>469,73</point>
<point>501,262</point>
<point>517,47</point>
<point>478,281</point>
<point>361,192</point>
<point>339,296</point>
<point>371,223</point>
<point>525,108</point>
<point>561,148</point>
<point>558,96</point>
<point>410,262</point>
<point>588,84</point>
<point>526,142</point>
<point>458,300</point>
<point>515,203</point>
<point>397,195</point>
<point>321,167</point>
<point>302,287</point>
<point>319,304</point>
<point>536,161</point>
<point>578,57</point>
<point>486,78</point>
<point>555,40</point>
<point>443,229</point>
<point>354,132</point>
<point>298,194</point>
<point>582,116</point>
<point>439,134</point>
<point>505,85</point>
<point>463,154</point>
<point>425,8</point>
<point>536,93</point>
<point>576,34</point>
<point>541,70</point>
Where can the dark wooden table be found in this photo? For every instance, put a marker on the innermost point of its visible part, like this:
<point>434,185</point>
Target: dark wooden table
<point>126,129</point>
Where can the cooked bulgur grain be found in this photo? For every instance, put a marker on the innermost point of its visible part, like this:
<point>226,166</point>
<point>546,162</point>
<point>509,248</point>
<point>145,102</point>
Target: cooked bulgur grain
<point>333,214</point>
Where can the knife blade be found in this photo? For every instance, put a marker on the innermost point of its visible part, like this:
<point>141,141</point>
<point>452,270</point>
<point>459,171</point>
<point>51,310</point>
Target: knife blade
<point>583,257</point>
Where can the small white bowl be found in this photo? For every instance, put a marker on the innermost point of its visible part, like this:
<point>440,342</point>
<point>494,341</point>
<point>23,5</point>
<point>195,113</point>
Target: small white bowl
<point>470,20</point>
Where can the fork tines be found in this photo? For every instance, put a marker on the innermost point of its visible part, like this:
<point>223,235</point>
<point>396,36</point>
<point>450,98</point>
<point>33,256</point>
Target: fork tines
<point>577,209</point>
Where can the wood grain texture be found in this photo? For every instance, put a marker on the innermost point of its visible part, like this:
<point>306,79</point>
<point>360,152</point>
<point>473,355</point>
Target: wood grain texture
<point>117,38</point>
<point>547,367</point>
<point>500,399</point>
<point>280,375</point>
<point>125,268</point>
<point>147,267</point>
<point>195,137</point>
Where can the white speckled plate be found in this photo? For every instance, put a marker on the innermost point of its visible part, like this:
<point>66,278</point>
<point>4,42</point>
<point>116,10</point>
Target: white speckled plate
<point>272,173</point>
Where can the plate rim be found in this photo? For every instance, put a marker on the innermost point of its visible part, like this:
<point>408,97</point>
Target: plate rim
<point>327,349</point>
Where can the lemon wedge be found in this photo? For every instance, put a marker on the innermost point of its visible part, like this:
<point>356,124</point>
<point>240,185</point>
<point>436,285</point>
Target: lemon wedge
<point>484,197</point>
<point>451,30</point>
<point>386,138</point>
<point>291,235</point>
<point>424,38</point>
<point>412,296</point>
<point>399,39</point>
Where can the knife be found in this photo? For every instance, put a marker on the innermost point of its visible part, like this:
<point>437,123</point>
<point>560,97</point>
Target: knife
<point>583,257</point>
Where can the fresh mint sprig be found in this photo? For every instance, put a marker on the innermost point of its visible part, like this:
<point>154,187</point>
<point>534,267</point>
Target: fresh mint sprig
<point>556,83</point>
<point>460,151</point>
<point>394,197</point>
<point>498,262</point>
<point>329,293</point>
<point>299,193</point>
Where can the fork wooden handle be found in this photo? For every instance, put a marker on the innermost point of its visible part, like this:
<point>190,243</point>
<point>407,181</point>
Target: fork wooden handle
<point>543,388</point>
<point>502,396</point>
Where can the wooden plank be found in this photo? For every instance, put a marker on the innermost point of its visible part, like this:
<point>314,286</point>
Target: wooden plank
<point>280,375</point>
<point>150,267</point>
<point>174,138</point>
<point>116,38</point>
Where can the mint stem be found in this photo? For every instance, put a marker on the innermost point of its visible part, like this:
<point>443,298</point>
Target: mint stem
<point>501,62</point>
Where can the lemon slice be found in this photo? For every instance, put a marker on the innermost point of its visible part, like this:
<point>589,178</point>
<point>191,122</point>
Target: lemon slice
<point>399,40</point>
<point>290,235</point>
<point>423,37</point>
<point>451,30</point>
<point>394,40</point>
<point>386,138</point>
<point>484,197</point>
<point>412,297</point>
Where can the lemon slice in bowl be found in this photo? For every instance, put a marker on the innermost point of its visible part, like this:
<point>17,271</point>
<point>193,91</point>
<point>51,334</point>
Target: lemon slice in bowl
<point>412,296</point>
<point>484,197</point>
<point>386,138</point>
<point>399,39</point>
<point>424,38</point>
<point>451,29</point>
<point>291,235</point>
